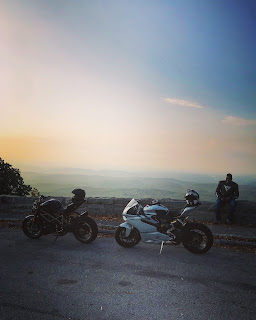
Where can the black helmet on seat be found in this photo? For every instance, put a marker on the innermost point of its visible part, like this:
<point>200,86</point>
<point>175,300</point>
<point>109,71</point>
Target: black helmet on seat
<point>79,195</point>
<point>192,197</point>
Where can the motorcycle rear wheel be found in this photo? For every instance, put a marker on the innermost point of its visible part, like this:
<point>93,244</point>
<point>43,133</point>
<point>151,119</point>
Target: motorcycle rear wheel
<point>127,242</point>
<point>86,230</point>
<point>31,228</point>
<point>198,238</point>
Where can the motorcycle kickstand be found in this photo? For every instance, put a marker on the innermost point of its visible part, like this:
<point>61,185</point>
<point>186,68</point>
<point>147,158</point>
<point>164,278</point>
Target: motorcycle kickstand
<point>161,248</point>
<point>56,237</point>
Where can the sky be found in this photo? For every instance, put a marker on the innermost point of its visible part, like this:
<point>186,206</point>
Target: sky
<point>129,85</point>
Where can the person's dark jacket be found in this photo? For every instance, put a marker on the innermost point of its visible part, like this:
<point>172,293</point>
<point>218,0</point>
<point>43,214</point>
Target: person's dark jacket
<point>227,190</point>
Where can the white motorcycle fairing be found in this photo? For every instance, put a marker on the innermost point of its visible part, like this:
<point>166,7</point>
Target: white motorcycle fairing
<point>154,223</point>
<point>148,232</point>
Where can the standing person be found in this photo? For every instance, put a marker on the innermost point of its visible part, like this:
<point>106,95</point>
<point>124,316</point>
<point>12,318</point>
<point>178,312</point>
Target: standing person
<point>226,192</point>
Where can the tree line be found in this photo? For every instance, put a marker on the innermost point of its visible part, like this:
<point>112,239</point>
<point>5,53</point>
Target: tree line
<point>12,183</point>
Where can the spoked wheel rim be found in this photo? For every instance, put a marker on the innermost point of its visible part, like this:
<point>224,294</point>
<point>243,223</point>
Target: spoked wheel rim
<point>199,240</point>
<point>130,239</point>
<point>84,231</point>
<point>33,228</point>
<point>124,241</point>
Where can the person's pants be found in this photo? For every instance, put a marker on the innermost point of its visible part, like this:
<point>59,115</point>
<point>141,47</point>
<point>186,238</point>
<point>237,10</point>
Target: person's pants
<point>232,205</point>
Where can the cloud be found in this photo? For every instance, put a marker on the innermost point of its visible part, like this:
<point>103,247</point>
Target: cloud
<point>235,121</point>
<point>183,103</point>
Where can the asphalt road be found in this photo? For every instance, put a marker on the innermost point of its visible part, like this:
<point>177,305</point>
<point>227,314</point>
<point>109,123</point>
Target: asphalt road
<point>70,280</point>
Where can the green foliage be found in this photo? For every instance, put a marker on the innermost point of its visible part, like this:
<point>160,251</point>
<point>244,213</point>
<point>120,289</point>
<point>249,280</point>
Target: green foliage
<point>34,193</point>
<point>11,182</point>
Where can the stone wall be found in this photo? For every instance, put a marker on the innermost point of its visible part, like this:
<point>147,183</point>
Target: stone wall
<point>14,207</point>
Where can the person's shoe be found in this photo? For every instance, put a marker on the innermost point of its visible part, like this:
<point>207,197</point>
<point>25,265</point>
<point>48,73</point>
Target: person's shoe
<point>217,222</point>
<point>228,221</point>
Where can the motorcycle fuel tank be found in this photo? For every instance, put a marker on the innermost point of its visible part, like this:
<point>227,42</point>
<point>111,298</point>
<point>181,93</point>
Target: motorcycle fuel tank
<point>152,209</point>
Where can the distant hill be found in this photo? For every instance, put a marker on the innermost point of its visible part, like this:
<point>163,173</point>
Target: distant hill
<point>182,176</point>
<point>119,184</point>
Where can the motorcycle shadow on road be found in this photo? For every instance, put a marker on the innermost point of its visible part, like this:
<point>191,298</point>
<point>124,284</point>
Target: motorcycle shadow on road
<point>68,243</point>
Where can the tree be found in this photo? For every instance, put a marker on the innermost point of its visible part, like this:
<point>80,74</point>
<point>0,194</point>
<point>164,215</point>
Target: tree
<point>34,193</point>
<point>11,181</point>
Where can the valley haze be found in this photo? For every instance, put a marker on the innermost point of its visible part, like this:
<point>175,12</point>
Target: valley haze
<point>122,184</point>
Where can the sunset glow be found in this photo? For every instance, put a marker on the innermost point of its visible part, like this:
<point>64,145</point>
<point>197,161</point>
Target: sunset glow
<point>133,85</point>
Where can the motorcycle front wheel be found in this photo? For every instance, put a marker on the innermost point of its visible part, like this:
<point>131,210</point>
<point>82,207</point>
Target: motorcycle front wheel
<point>127,242</point>
<point>86,230</point>
<point>197,238</point>
<point>31,228</point>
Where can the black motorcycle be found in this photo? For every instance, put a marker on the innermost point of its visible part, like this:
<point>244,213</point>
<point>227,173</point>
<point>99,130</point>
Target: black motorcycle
<point>49,217</point>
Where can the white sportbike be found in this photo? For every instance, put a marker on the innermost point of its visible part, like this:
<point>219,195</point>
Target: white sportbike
<point>155,224</point>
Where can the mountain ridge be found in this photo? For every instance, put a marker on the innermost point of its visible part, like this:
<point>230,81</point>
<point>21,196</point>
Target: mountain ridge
<point>56,184</point>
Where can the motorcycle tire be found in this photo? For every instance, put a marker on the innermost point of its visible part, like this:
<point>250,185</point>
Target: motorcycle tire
<point>86,230</point>
<point>32,229</point>
<point>127,242</point>
<point>197,238</point>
